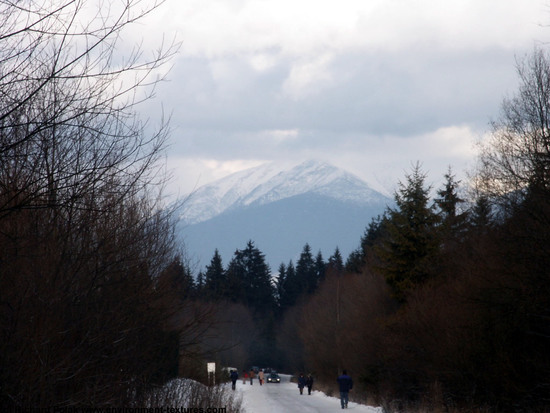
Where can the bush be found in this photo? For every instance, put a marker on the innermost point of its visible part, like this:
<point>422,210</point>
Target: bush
<point>191,394</point>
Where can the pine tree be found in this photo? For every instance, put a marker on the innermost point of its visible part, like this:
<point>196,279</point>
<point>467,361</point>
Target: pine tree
<point>373,234</point>
<point>355,261</point>
<point>199,285</point>
<point>291,291</point>
<point>336,263</point>
<point>410,236</point>
<point>448,202</point>
<point>250,268</point>
<point>177,279</point>
<point>306,273</point>
<point>235,282</point>
<point>481,214</point>
<point>280,283</point>
<point>320,266</point>
<point>215,280</point>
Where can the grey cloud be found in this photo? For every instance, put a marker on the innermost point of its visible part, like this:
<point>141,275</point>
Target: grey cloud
<point>377,95</point>
<point>380,93</point>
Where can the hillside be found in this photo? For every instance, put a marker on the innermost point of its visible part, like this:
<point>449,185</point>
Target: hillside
<point>280,210</point>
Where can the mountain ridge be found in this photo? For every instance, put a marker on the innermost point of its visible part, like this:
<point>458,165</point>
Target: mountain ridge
<point>280,210</point>
<point>269,183</point>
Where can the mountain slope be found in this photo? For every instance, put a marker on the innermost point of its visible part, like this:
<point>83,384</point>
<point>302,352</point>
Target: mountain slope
<point>270,183</point>
<point>281,211</point>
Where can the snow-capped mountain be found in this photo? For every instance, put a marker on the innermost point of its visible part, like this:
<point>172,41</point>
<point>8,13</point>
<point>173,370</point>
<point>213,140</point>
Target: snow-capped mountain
<point>270,183</point>
<point>280,210</point>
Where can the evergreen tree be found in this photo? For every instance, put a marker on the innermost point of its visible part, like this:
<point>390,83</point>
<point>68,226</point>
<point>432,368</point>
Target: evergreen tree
<point>235,282</point>
<point>178,279</point>
<point>306,273</point>
<point>280,283</point>
<point>186,280</point>
<point>448,202</point>
<point>355,261</point>
<point>320,266</point>
<point>410,237</point>
<point>374,231</point>
<point>373,234</point>
<point>199,285</point>
<point>250,268</point>
<point>336,263</point>
<point>215,280</point>
<point>481,214</point>
<point>291,291</point>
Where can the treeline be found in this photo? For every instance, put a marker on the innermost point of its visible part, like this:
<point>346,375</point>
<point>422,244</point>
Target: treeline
<point>446,303</point>
<point>249,298</point>
<point>247,279</point>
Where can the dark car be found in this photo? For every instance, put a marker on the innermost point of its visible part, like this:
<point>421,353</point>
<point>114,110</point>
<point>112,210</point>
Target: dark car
<point>273,378</point>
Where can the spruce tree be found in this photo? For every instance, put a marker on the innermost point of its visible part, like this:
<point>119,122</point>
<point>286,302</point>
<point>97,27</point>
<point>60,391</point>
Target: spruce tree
<point>215,280</point>
<point>373,235</point>
<point>448,202</point>
<point>249,266</point>
<point>320,267</point>
<point>199,285</point>
<point>481,214</point>
<point>291,291</point>
<point>235,282</point>
<point>306,273</point>
<point>410,236</point>
<point>355,262</point>
<point>336,263</point>
<point>280,283</point>
<point>177,278</point>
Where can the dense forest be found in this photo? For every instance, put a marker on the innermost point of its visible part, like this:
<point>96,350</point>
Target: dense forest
<point>446,300</point>
<point>444,303</point>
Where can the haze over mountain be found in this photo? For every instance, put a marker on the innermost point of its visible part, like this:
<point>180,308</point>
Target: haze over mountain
<point>280,209</point>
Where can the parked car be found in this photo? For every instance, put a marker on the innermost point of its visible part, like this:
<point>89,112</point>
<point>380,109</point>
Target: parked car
<point>273,378</point>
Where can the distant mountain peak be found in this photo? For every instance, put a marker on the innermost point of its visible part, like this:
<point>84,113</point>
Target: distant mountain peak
<point>272,182</point>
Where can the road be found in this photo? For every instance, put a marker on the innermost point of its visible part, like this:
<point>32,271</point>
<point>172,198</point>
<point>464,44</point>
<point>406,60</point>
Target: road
<point>285,397</point>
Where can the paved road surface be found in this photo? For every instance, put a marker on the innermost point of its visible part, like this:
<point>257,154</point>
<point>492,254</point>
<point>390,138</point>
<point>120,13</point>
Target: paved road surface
<point>285,397</point>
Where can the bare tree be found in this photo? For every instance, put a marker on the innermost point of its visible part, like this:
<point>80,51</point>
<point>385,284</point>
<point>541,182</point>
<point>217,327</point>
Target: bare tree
<point>67,121</point>
<point>516,156</point>
<point>83,231</point>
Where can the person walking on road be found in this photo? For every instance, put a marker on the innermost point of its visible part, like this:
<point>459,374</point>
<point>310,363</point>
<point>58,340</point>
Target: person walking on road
<point>309,383</point>
<point>234,377</point>
<point>261,377</point>
<point>301,383</point>
<point>346,384</point>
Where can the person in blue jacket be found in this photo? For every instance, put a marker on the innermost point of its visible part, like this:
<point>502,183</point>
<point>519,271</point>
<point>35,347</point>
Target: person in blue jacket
<point>346,384</point>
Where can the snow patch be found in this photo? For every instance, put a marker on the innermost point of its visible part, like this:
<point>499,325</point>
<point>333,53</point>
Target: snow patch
<point>272,182</point>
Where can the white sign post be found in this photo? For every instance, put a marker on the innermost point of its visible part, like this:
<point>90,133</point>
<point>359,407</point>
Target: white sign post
<point>211,369</point>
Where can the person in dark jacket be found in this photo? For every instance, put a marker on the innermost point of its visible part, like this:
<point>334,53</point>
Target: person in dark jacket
<point>309,383</point>
<point>301,383</point>
<point>346,384</point>
<point>234,377</point>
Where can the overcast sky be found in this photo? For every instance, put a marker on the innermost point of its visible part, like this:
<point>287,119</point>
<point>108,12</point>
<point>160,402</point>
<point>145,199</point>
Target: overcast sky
<point>372,86</point>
